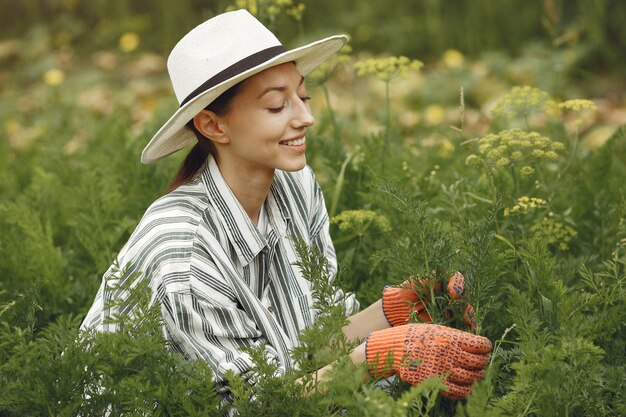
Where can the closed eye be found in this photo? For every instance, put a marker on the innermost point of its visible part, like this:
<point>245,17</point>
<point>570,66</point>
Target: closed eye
<point>281,108</point>
<point>277,109</point>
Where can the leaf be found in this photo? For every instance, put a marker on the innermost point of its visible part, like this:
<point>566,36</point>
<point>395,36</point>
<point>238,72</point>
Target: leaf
<point>505,240</point>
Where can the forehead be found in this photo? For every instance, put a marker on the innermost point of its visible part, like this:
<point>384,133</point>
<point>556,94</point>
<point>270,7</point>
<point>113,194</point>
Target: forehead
<point>284,75</point>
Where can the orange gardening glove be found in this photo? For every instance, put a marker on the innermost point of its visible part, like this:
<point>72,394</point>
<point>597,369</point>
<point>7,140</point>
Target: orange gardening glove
<point>416,352</point>
<point>400,302</point>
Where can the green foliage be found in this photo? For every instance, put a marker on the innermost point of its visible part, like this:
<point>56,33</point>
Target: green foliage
<point>60,371</point>
<point>414,189</point>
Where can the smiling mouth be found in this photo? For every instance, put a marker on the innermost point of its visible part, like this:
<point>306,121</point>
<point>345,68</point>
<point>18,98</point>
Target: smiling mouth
<point>295,142</point>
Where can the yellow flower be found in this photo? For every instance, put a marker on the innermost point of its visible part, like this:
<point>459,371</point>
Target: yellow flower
<point>502,162</point>
<point>54,77</point>
<point>129,41</point>
<point>494,154</point>
<point>472,160</point>
<point>518,146</point>
<point>554,233</point>
<point>453,58</point>
<point>387,69</point>
<point>296,12</point>
<point>446,148</point>
<point>358,221</point>
<point>552,155</point>
<point>557,146</point>
<point>522,101</point>
<point>578,105</point>
<point>434,114</point>
<point>524,204</point>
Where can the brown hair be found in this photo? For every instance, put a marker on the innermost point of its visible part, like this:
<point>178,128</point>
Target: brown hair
<point>197,156</point>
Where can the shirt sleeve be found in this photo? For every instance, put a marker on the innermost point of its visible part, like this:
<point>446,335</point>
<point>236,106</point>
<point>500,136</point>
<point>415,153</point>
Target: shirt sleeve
<point>320,237</point>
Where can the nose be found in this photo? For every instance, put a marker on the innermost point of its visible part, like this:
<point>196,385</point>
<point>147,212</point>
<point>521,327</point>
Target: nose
<point>303,116</point>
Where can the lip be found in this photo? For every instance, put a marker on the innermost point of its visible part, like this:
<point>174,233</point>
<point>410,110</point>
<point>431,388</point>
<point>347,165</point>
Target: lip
<point>295,149</point>
<point>294,138</point>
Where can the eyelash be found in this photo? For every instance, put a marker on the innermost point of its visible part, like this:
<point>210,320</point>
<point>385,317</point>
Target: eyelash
<point>279,109</point>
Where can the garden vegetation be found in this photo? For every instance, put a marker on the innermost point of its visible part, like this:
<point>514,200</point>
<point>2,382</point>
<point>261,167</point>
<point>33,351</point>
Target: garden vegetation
<point>500,167</point>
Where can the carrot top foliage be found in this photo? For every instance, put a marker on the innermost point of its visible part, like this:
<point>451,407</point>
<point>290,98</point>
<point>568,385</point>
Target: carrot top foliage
<point>459,165</point>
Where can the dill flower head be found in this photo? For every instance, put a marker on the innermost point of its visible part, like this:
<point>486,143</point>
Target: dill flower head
<point>578,105</point>
<point>525,204</point>
<point>502,162</point>
<point>269,9</point>
<point>518,147</point>
<point>523,101</point>
<point>473,161</point>
<point>358,221</point>
<point>527,170</point>
<point>387,69</point>
<point>555,233</point>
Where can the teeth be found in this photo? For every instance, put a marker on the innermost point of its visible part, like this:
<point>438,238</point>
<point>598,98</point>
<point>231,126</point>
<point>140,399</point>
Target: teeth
<point>295,142</point>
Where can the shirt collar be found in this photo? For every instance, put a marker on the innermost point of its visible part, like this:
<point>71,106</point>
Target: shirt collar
<point>241,232</point>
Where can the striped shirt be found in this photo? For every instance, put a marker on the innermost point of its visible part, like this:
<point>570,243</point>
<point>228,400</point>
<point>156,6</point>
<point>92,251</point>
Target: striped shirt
<point>220,284</point>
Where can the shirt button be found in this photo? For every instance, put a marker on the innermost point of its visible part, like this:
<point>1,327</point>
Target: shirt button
<point>270,309</point>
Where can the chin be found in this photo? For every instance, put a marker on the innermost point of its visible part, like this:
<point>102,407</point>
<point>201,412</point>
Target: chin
<point>293,166</point>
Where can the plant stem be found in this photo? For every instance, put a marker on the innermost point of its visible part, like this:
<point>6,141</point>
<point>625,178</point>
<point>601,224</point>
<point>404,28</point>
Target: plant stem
<point>514,180</point>
<point>388,111</point>
<point>331,112</point>
<point>571,157</point>
<point>339,185</point>
<point>387,124</point>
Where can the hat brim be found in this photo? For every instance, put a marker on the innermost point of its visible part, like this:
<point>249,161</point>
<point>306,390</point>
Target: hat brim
<point>174,135</point>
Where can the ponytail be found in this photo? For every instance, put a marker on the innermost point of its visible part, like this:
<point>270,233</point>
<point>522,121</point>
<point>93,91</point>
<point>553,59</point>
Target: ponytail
<point>193,162</point>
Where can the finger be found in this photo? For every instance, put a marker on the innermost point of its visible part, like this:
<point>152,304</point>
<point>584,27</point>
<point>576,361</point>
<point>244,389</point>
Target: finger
<point>455,391</point>
<point>456,285</point>
<point>464,376</point>
<point>474,343</point>
<point>470,361</point>
<point>469,317</point>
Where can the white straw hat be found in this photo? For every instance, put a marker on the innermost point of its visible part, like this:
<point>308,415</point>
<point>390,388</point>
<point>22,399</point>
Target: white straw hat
<point>216,55</point>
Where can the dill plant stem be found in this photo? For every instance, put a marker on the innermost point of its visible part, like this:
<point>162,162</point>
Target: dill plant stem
<point>339,185</point>
<point>514,179</point>
<point>387,123</point>
<point>462,108</point>
<point>331,112</point>
<point>574,149</point>
<point>387,110</point>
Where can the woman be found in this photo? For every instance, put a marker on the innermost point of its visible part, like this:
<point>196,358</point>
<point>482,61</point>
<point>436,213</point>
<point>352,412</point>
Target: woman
<point>217,250</point>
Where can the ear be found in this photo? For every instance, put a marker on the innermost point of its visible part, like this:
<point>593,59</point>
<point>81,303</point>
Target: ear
<point>209,124</point>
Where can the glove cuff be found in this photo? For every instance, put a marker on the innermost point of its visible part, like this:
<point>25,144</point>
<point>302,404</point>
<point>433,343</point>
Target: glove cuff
<point>398,304</point>
<point>383,350</point>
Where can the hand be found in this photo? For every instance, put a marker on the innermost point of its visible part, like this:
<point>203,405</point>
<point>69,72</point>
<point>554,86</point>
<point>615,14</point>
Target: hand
<point>400,302</point>
<point>459,356</point>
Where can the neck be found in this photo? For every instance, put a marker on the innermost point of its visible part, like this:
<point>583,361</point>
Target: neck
<point>249,187</point>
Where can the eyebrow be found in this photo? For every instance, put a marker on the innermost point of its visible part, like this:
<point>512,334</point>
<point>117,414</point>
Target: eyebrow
<point>278,88</point>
